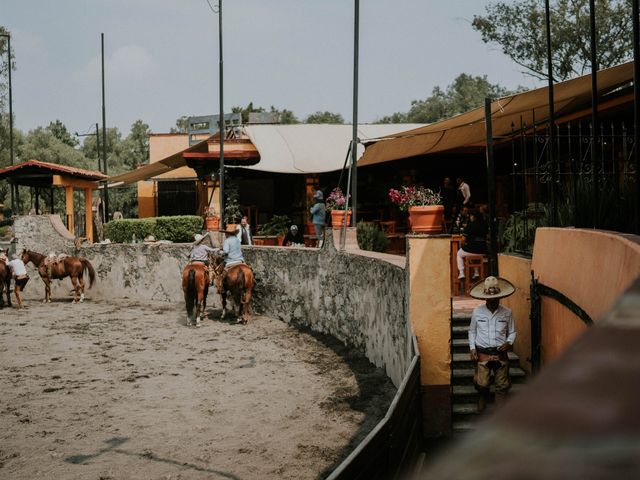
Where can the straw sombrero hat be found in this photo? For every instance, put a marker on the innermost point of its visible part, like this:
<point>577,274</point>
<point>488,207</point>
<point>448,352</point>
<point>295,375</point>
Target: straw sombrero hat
<point>492,287</point>
<point>231,228</point>
<point>197,238</point>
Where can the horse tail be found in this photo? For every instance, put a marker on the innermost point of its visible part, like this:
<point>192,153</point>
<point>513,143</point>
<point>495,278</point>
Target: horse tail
<point>87,267</point>
<point>191,297</point>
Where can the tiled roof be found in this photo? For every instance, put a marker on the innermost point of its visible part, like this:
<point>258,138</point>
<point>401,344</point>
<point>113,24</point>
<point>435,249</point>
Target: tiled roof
<point>54,168</point>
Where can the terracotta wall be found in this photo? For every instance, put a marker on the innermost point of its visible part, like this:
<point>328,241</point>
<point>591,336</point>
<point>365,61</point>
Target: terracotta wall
<point>517,269</point>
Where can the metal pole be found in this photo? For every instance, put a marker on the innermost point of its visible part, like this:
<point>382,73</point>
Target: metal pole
<point>10,116</point>
<point>552,120</point>
<point>104,140</point>
<point>354,129</point>
<point>635,12</point>
<point>221,121</point>
<point>594,112</point>
<point>491,188</point>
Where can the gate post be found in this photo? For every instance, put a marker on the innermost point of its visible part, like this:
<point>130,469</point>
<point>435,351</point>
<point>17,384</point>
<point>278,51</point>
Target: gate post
<point>536,325</point>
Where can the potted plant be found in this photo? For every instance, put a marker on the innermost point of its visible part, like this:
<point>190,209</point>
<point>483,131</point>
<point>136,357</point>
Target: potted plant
<point>274,230</point>
<point>211,219</point>
<point>337,204</point>
<point>232,212</point>
<point>426,213</point>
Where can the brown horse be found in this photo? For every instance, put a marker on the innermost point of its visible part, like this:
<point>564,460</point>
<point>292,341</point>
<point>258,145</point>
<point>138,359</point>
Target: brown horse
<point>195,285</point>
<point>237,280</point>
<point>73,267</point>
<point>5,283</point>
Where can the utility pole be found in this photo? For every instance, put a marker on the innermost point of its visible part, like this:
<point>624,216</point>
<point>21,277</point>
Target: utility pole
<point>221,120</point>
<point>104,140</point>
<point>354,129</point>
<point>552,120</point>
<point>635,12</point>
<point>8,37</point>
<point>594,114</point>
<point>491,188</point>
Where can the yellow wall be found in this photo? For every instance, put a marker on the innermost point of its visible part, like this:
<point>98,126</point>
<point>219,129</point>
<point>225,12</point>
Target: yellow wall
<point>146,200</point>
<point>430,305</point>
<point>164,145</point>
<point>517,270</point>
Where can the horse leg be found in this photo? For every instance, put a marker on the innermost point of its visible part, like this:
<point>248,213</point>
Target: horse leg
<point>74,282</point>
<point>223,295</point>
<point>246,298</point>
<point>203,313</point>
<point>81,287</point>
<point>47,289</point>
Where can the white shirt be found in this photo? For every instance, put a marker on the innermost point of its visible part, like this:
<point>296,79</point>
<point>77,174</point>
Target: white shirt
<point>466,192</point>
<point>490,330</point>
<point>17,267</point>
<point>248,229</point>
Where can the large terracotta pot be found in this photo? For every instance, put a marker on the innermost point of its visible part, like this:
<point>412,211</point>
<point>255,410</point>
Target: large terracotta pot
<point>337,218</point>
<point>212,223</point>
<point>426,219</point>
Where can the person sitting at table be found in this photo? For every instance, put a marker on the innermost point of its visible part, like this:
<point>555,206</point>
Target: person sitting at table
<point>293,237</point>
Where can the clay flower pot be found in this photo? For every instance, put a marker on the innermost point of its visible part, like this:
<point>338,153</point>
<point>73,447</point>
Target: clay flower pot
<point>212,223</point>
<point>337,218</point>
<point>427,219</point>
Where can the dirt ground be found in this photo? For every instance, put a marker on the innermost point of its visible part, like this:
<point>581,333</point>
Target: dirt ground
<point>123,390</point>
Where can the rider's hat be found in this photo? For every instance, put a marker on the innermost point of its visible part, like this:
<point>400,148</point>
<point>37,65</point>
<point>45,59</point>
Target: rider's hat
<point>492,287</point>
<point>231,228</point>
<point>198,238</point>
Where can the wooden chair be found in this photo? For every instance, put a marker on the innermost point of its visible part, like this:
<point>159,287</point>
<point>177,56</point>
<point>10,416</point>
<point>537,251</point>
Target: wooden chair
<point>471,264</point>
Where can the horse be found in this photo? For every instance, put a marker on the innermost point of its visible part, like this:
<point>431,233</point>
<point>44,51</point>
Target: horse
<point>195,285</point>
<point>237,280</point>
<point>5,283</point>
<point>68,266</point>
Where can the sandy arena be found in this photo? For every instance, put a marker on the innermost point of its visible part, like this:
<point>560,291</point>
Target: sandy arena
<point>123,390</point>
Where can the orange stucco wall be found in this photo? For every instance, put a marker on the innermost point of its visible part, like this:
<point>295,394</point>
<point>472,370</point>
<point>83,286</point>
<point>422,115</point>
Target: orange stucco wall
<point>430,306</point>
<point>590,267</point>
<point>164,145</point>
<point>517,270</point>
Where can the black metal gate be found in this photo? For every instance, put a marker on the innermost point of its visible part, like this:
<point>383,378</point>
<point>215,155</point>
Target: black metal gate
<point>177,198</point>
<point>577,177</point>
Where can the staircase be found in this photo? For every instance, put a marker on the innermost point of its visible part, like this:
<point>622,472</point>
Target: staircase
<point>464,396</point>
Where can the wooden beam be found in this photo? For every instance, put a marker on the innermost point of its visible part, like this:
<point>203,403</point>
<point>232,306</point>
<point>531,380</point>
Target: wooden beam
<point>69,208</point>
<point>65,181</point>
<point>88,214</point>
<point>248,154</point>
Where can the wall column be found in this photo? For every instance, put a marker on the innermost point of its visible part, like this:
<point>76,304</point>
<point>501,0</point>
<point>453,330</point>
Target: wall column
<point>69,208</point>
<point>429,270</point>
<point>88,214</point>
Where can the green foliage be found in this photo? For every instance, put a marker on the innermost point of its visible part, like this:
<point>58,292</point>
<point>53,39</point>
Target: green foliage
<point>465,93</point>
<point>4,69</point>
<point>518,28</point>
<point>42,144</point>
<point>178,229</point>
<point>232,212</point>
<point>520,228</point>
<point>124,231</point>
<point>175,229</point>
<point>59,130</point>
<point>182,125</point>
<point>371,238</point>
<point>324,117</point>
<point>277,225</point>
<point>245,111</point>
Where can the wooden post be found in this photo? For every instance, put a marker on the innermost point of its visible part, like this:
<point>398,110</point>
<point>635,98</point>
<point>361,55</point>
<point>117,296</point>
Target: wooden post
<point>88,214</point>
<point>69,208</point>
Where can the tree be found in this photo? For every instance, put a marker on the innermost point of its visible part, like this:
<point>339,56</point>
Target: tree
<point>245,111</point>
<point>182,125</point>
<point>4,68</point>
<point>465,93</point>
<point>518,28</point>
<point>324,117</point>
<point>136,145</point>
<point>285,116</point>
<point>42,144</point>
<point>59,130</point>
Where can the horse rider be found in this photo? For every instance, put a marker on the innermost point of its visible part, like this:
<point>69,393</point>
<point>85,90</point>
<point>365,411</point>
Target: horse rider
<point>200,252</point>
<point>231,249</point>
<point>20,276</point>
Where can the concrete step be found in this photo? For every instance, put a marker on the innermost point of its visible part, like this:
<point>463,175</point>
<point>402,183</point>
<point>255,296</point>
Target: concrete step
<point>460,320</point>
<point>463,360</point>
<point>468,394</point>
<point>464,376</point>
<point>460,332</point>
<point>463,427</point>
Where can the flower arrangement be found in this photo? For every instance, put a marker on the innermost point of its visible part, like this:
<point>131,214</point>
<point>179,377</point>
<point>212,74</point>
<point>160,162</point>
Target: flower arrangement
<point>337,200</point>
<point>414,196</point>
<point>210,212</point>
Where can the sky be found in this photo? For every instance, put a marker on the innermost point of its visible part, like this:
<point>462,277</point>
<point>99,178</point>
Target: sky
<point>161,57</point>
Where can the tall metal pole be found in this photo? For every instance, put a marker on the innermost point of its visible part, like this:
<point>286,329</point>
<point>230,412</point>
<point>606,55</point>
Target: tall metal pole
<point>635,12</point>
<point>594,113</point>
<point>491,188</point>
<point>552,119</point>
<point>104,140</point>
<point>354,129</point>
<point>221,121</point>
<point>10,113</point>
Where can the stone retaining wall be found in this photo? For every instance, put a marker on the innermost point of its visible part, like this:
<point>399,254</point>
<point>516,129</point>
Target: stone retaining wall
<point>360,300</point>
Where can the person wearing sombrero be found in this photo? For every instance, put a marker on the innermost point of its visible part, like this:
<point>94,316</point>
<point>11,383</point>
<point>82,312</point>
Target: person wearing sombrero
<point>491,336</point>
<point>231,249</point>
<point>200,252</point>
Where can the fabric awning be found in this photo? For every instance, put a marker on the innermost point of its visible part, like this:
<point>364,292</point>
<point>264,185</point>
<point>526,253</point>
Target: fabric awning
<point>311,148</point>
<point>468,129</point>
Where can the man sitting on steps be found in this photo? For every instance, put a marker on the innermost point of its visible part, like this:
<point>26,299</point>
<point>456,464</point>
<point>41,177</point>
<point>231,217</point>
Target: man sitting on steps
<point>491,336</point>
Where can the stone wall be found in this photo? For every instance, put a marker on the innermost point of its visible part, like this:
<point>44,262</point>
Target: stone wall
<point>360,300</point>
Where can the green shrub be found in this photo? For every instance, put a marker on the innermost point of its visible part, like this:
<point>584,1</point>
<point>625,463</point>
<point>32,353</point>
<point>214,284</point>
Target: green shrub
<point>371,238</point>
<point>277,225</point>
<point>175,229</point>
<point>178,229</point>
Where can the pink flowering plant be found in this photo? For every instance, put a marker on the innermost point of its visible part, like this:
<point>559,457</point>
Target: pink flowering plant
<point>414,196</point>
<point>337,200</point>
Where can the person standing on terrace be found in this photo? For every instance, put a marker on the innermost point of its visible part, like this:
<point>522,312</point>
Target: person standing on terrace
<point>465,192</point>
<point>318,215</point>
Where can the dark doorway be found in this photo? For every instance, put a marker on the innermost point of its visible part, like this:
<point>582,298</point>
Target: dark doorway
<point>176,198</point>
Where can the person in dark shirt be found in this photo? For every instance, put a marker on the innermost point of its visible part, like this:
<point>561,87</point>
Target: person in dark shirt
<point>293,237</point>
<point>475,240</point>
<point>448,197</point>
